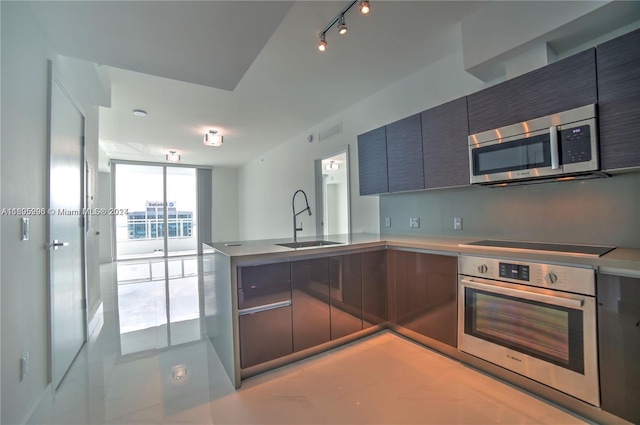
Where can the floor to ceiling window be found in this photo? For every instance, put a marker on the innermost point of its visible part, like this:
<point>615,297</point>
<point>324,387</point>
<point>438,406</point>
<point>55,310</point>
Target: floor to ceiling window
<point>158,303</point>
<point>157,211</point>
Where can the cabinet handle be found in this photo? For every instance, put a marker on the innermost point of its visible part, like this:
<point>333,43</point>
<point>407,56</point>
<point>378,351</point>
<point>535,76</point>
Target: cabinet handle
<point>265,307</point>
<point>555,156</point>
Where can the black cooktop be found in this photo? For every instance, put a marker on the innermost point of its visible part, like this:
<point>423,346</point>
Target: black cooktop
<point>581,250</point>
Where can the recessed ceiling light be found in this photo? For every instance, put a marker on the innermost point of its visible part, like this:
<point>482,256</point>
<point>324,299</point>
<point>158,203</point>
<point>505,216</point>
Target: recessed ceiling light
<point>139,113</point>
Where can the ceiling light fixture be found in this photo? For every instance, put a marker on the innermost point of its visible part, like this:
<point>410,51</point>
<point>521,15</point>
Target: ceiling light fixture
<point>139,113</point>
<point>332,166</point>
<point>342,28</point>
<point>340,20</point>
<point>364,7</point>
<point>212,138</point>
<point>172,156</point>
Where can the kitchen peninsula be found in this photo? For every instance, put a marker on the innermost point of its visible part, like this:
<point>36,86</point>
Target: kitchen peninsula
<point>300,302</point>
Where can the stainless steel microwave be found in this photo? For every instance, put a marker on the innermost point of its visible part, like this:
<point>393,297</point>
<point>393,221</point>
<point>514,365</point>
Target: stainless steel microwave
<point>559,146</point>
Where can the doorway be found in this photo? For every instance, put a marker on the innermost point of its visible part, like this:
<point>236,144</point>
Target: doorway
<point>332,194</point>
<point>155,210</point>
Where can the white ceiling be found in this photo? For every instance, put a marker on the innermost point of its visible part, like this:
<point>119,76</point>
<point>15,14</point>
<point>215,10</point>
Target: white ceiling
<point>250,69</point>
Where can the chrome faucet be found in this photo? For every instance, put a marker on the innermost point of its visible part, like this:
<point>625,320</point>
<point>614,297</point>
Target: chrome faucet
<point>295,214</point>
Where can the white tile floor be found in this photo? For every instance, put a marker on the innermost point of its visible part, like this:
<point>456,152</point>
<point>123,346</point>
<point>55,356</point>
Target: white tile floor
<point>383,379</point>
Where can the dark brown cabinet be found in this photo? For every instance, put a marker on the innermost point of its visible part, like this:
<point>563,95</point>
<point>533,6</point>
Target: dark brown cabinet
<point>445,148</point>
<point>264,309</point>
<point>404,154</point>
<point>288,307</point>
<point>265,336</point>
<point>310,303</point>
<point>346,294</point>
<point>374,288</point>
<point>619,345</point>
<point>618,63</point>
<point>372,162</point>
<point>424,292</point>
<point>560,86</point>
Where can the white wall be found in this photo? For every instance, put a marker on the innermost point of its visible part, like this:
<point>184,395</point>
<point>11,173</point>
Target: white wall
<point>268,183</point>
<point>24,142</point>
<point>225,216</point>
<point>24,79</point>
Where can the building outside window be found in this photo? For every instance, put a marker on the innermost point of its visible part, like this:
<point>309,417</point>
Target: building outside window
<point>149,224</point>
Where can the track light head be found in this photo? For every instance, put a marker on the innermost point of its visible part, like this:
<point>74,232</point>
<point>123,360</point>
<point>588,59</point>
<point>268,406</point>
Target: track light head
<point>322,46</point>
<point>342,26</point>
<point>364,7</point>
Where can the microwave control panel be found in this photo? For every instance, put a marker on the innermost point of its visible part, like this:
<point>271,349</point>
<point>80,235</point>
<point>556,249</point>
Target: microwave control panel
<point>576,144</point>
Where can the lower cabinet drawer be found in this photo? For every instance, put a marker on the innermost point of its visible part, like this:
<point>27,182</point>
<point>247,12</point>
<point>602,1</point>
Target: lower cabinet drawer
<point>265,336</point>
<point>259,295</point>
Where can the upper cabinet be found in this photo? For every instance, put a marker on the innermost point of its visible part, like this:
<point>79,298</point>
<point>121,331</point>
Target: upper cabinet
<point>423,151</point>
<point>404,154</point>
<point>619,101</point>
<point>430,150</point>
<point>563,85</point>
<point>444,145</point>
<point>372,162</point>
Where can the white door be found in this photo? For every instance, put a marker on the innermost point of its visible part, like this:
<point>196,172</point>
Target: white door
<point>65,232</point>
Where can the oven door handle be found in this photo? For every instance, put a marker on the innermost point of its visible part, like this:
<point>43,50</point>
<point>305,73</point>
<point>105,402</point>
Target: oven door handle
<point>532,296</point>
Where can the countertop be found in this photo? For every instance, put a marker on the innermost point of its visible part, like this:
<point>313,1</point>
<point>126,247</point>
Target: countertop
<point>624,261</point>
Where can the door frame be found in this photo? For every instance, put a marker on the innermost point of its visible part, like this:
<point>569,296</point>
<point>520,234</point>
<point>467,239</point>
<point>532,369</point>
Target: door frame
<point>54,77</point>
<point>319,186</point>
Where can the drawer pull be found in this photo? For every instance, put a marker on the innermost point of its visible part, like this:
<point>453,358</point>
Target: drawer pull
<point>265,307</point>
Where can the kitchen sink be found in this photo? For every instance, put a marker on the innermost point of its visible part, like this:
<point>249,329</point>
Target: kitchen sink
<point>307,244</point>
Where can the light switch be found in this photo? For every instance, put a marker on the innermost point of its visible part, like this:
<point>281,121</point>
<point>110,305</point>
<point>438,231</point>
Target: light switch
<point>25,228</point>
<point>457,223</point>
<point>414,222</point>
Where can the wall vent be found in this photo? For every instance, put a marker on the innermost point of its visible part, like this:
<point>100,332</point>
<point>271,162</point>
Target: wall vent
<point>330,132</point>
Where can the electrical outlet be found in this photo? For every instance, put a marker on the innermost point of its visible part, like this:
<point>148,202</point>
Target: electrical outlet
<point>24,366</point>
<point>414,222</point>
<point>457,223</point>
<point>387,221</point>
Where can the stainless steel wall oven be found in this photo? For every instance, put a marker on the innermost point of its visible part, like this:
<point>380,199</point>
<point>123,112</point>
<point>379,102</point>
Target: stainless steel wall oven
<point>538,320</point>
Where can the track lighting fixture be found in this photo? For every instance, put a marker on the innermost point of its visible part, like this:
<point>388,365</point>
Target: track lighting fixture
<point>364,7</point>
<point>340,20</point>
<point>342,28</point>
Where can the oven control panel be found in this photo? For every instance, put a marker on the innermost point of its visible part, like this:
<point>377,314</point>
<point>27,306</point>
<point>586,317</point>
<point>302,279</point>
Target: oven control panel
<point>514,271</point>
<point>580,280</point>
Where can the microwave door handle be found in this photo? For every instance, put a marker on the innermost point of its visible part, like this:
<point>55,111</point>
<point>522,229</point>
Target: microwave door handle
<point>555,154</point>
<point>532,296</point>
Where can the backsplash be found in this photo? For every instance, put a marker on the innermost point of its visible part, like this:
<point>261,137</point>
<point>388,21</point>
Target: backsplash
<point>594,212</point>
